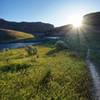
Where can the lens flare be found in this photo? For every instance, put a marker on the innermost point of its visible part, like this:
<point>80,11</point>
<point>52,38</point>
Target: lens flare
<point>76,21</point>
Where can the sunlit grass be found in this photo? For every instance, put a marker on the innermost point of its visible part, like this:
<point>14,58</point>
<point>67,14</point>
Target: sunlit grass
<point>59,76</point>
<point>12,35</point>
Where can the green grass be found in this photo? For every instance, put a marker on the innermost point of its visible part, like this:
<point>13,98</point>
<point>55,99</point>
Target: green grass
<point>59,76</point>
<point>8,35</point>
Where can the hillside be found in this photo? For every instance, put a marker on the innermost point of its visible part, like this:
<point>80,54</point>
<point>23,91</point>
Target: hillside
<point>57,76</point>
<point>30,27</point>
<point>91,23</point>
<point>8,35</point>
<point>61,30</point>
<point>91,30</point>
<point>92,19</point>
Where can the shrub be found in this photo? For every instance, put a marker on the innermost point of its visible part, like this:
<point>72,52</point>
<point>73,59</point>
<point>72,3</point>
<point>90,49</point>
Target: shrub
<point>31,51</point>
<point>61,45</point>
<point>14,67</point>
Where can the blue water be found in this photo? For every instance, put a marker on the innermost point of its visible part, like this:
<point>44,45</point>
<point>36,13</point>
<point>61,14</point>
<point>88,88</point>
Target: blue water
<point>23,44</point>
<point>16,45</point>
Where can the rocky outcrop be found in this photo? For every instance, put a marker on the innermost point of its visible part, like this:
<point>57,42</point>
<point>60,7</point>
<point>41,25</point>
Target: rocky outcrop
<point>92,19</point>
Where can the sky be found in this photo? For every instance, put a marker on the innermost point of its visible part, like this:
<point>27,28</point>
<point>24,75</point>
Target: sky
<point>56,12</point>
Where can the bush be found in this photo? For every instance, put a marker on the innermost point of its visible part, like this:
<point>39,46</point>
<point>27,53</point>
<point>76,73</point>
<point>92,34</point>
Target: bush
<point>14,67</point>
<point>61,45</point>
<point>31,51</point>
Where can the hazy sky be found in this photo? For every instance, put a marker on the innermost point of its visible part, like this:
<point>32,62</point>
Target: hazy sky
<point>56,12</point>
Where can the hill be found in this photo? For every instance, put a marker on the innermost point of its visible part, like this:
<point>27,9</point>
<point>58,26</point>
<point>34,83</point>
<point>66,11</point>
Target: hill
<point>57,76</point>
<point>29,27</point>
<point>92,28</point>
<point>61,30</point>
<point>92,19</point>
<point>91,23</point>
<point>10,35</point>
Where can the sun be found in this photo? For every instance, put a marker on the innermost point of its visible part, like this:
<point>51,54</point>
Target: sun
<point>76,21</point>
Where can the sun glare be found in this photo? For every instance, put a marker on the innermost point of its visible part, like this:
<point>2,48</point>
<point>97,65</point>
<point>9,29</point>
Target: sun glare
<point>76,21</point>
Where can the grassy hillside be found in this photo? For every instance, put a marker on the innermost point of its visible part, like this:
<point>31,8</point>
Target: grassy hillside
<point>52,76</point>
<point>8,35</point>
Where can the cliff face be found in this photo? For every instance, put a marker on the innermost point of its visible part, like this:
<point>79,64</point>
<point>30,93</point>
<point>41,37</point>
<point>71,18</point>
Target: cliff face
<point>92,19</point>
<point>30,27</point>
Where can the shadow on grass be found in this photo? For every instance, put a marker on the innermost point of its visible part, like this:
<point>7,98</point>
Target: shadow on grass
<point>45,80</point>
<point>14,67</point>
<point>52,52</point>
<point>55,51</point>
<point>49,43</point>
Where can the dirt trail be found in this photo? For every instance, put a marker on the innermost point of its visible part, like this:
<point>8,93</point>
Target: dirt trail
<point>95,77</point>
